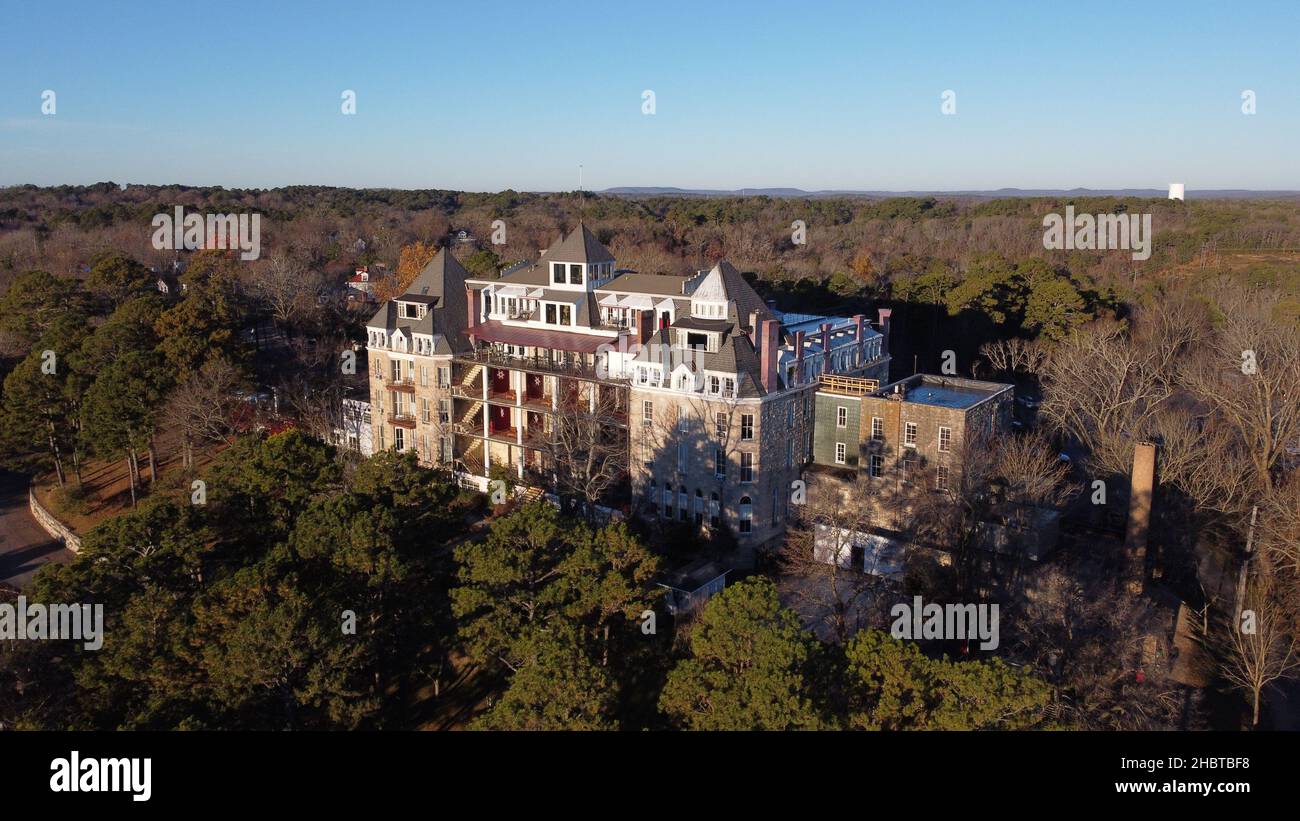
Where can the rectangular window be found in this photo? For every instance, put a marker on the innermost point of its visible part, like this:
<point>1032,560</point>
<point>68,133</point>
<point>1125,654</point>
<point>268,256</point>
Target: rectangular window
<point>719,463</point>
<point>746,467</point>
<point>841,417</point>
<point>668,503</point>
<point>424,410</point>
<point>728,387</point>
<point>681,457</point>
<point>746,427</point>
<point>575,275</point>
<point>945,440</point>
<point>877,466</point>
<point>941,477</point>
<point>566,314</point>
<point>720,425</point>
<point>877,429</point>
<point>424,376</point>
<point>444,377</point>
<point>841,452</point>
<point>550,314</point>
<point>399,439</point>
<point>444,411</point>
<point>647,412</point>
<point>909,435</point>
<point>683,511</point>
<point>557,273</point>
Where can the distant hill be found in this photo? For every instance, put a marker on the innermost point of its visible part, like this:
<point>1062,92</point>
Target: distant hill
<point>1226,193</point>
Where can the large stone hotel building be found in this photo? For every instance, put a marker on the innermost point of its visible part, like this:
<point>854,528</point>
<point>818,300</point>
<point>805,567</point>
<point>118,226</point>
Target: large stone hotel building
<point>686,396</point>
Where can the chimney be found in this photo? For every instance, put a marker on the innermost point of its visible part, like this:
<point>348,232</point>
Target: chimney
<point>473,302</point>
<point>885,313</point>
<point>798,357</point>
<point>769,354</point>
<point>753,328</point>
<point>1141,486</point>
<point>860,327</point>
<point>645,323</point>
<point>826,347</point>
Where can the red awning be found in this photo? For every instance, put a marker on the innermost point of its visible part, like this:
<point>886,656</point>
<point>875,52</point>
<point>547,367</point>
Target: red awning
<point>494,331</point>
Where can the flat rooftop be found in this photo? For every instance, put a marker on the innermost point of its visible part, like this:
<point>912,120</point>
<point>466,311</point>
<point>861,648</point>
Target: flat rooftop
<point>942,391</point>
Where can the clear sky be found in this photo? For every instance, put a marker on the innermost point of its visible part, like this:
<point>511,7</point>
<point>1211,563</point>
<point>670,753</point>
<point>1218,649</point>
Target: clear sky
<point>485,96</point>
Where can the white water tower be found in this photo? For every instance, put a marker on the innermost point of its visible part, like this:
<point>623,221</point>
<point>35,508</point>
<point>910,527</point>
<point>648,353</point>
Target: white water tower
<point>1176,191</point>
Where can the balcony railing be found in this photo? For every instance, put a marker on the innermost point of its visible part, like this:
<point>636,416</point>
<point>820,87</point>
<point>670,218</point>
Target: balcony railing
<point>404,385</point>
<point>564,366</point>
<point>403,420</point>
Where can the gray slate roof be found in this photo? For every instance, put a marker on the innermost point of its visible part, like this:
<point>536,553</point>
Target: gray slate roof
<point>442,286</point>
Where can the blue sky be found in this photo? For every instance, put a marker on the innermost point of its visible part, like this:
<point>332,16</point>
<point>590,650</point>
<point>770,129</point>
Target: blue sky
<point>487,96</point>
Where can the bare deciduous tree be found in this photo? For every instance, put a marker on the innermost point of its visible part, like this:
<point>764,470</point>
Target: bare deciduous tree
<point>1011,356</point>
<point>822,568</point>
<point>202,406</point>
<point>1261,644</point>
<point>586,448</point>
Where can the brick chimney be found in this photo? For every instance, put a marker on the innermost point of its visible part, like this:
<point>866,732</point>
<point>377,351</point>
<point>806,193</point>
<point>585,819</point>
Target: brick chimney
<point>798,357</point>
<point>826,347</point>
<point>860,326</point>
<point>645,323</point>
<point>885,313</point>
<point>1141,486</point>
<point>769,353</point>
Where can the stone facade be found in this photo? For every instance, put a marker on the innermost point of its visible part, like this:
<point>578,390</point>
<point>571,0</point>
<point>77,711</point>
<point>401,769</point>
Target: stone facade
<point>917,424</point>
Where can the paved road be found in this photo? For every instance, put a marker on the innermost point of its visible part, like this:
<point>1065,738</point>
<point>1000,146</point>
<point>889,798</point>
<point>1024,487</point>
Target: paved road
<point>24,546</point>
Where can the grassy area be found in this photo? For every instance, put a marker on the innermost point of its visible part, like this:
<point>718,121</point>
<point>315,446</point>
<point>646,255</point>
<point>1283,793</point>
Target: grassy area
<point>105,491</point>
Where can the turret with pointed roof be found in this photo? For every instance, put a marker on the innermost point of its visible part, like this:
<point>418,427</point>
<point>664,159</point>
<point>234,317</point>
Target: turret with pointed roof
<point>440,287</point>
<point>579,246</point>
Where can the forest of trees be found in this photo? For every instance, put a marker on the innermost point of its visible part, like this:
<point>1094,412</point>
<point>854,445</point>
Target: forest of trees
<point>231,612</point>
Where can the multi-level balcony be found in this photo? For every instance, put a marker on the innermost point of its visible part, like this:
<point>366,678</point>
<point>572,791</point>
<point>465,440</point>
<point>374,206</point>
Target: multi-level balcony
<point>555,362</point>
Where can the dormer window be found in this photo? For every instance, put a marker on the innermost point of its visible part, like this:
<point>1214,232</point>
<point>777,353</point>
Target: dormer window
<point>559,314</point>
<point>408,310</point>
<point>708,310</point>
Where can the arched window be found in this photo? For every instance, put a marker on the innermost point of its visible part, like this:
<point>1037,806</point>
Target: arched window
<point>683,506</point>
<point>746,514</point>
<point>715,511</point>
<point>699,507</point>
